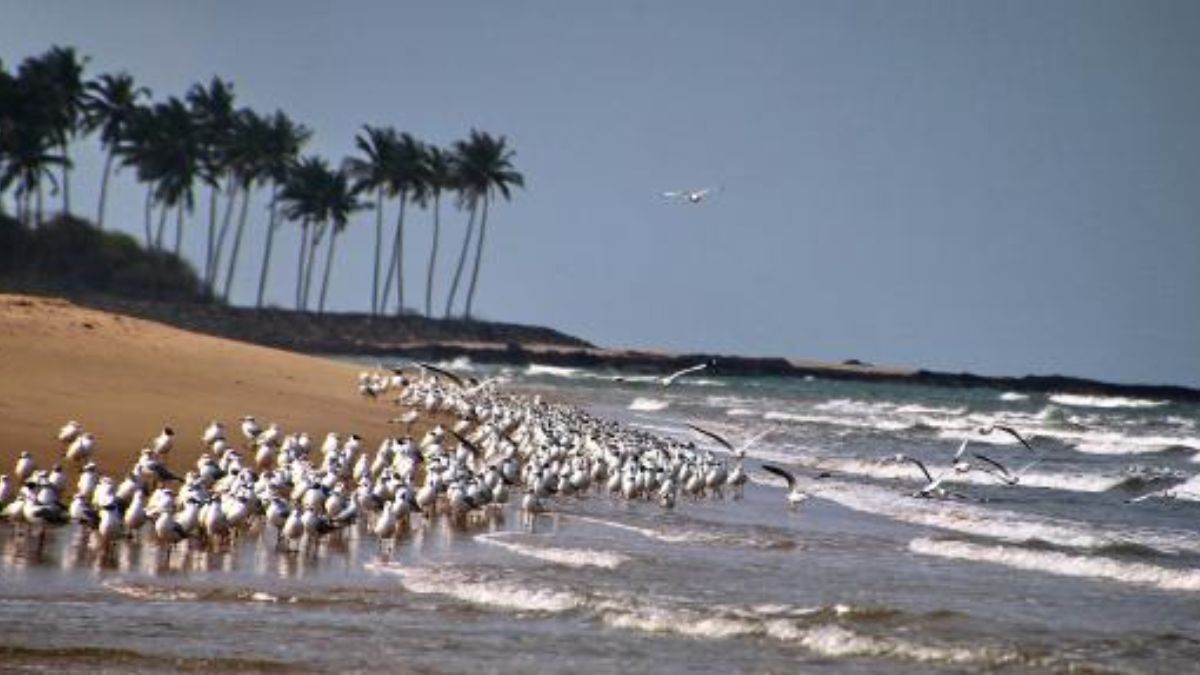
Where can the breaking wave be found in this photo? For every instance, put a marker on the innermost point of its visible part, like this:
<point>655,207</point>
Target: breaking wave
<point>1080,401</point>
<point>570,557</point>
<point>1063,564</point>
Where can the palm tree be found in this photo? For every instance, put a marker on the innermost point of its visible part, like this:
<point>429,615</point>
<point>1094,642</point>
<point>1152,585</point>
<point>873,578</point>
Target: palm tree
<point>55,87</point>
<point>406,179</point>
<point>281,147</point>
<point>110,104</point>
<point>439,176</point>
<point>484,167</point>
<point>213,109</point>
<point>377,144</point>
<point>301,196</point>
<point>178,161</point>
<point>245,156</point>
<point>339,201</point>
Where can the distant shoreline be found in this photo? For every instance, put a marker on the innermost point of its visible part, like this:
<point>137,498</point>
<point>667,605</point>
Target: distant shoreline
<point>418,337</point>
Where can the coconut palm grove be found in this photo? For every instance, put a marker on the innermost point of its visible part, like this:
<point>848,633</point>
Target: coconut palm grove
<point>199,157</point>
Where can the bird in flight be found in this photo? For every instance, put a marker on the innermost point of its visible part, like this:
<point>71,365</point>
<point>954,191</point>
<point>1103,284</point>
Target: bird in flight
<point>795,495</point>
<point>670,379</point>
<point>690,196</point>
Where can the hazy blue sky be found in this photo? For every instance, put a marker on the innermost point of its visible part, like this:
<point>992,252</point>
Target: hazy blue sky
<point>1004,187</point>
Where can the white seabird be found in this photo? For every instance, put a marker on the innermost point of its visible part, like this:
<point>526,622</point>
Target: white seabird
<point>795,495</point>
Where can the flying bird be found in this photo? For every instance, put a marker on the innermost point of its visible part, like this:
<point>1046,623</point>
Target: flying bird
<point>694,196</point>
<point>1008,430</point>
<point>1001,472</point>
<point>444,373</point>
<point>795,495</point>
<point>670,379</point>
<point>738,452</point>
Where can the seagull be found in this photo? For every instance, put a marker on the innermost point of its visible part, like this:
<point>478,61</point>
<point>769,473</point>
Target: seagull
<point>795,495</point>
<point>738,452</point>
<point>163,443</point>
<point>444,373</point>
<point>693,196</point>
<point>81,448</point>
<point>69,431</point>
<point>670,379</point>
<point>1008,430</point>
<point>933,488</point>
<point>1001,472</point>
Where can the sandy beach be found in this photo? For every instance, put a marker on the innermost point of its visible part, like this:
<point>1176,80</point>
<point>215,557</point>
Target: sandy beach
<point>124,378</point>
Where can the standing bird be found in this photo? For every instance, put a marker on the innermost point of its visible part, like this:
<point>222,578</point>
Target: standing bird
<point>69,431</point>
<point>250,428</point>
<point>163,442</point>
<point>795,495</point>
<point>82,447</point>
<point>24,468</point>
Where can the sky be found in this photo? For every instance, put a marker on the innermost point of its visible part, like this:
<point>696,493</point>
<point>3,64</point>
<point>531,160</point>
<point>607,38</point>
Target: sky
<point>1000,187</point>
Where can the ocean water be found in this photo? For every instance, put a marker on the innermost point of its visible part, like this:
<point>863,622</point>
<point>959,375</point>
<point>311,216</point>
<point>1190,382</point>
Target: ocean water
<point>1091,562</point>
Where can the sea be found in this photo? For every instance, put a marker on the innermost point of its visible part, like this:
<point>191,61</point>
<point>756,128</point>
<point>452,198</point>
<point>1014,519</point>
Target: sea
<point>1089,563</point>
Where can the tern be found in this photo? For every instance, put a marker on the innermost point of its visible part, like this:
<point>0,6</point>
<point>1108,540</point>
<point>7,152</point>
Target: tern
<point>444,373</point>
<point>1001,472</point>
<point>933,486</point>
<point>795,495</point>
<point>739,451</point>
<point>670,379</point>
<point>1008,430</point>
<point>693,196</point>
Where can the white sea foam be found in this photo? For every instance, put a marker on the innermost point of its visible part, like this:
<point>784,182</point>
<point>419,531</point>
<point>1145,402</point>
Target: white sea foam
<point>495,593</point>
<point>668,536</point>
<point>1014,396</point>
<point>648,404</point>
<point>853,422</point>
<point>145,592</point>
<point>461,363</point>
<point>1063,564</point>
<point>535,369</point>
<point>826,639</point>
<point>891,470</point>
<point>570,557</point>
<point>1081,401</point>
<point>741,412</point>
<point>978,520</point>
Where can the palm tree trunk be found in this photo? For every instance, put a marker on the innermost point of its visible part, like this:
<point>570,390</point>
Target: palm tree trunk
<point>328,266</point>
<point>432,255</point>
<point>262,278</point>
<point>462,261</point>
<point>300,264</point>
<point>317,234</point>
<point>41,196</point>
<point>104,189</point>
<point>397,254</point>
<point>378,247</point>
<point>231,199</point>
<point>212,235</point>
<point>478,256</point>
<point>149,216</point>
<point>178,226</point>
<point>237,242</point>
<point>162,224</point>
<point>66,181</point>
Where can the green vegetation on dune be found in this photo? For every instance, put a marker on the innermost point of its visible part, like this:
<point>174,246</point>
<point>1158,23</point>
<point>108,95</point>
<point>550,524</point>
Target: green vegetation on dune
<point>69,255</point>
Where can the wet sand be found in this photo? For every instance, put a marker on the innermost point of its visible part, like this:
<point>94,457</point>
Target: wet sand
<point>124,378</point>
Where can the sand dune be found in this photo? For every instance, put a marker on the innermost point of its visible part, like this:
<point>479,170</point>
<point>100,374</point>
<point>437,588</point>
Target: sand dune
<point>124,378</point>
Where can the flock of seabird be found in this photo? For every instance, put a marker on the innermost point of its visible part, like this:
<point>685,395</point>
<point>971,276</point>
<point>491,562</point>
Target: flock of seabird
<point>498,447</point>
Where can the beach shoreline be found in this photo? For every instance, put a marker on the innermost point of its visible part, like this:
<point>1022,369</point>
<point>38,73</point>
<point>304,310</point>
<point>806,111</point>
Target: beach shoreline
<point>125,378</point>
